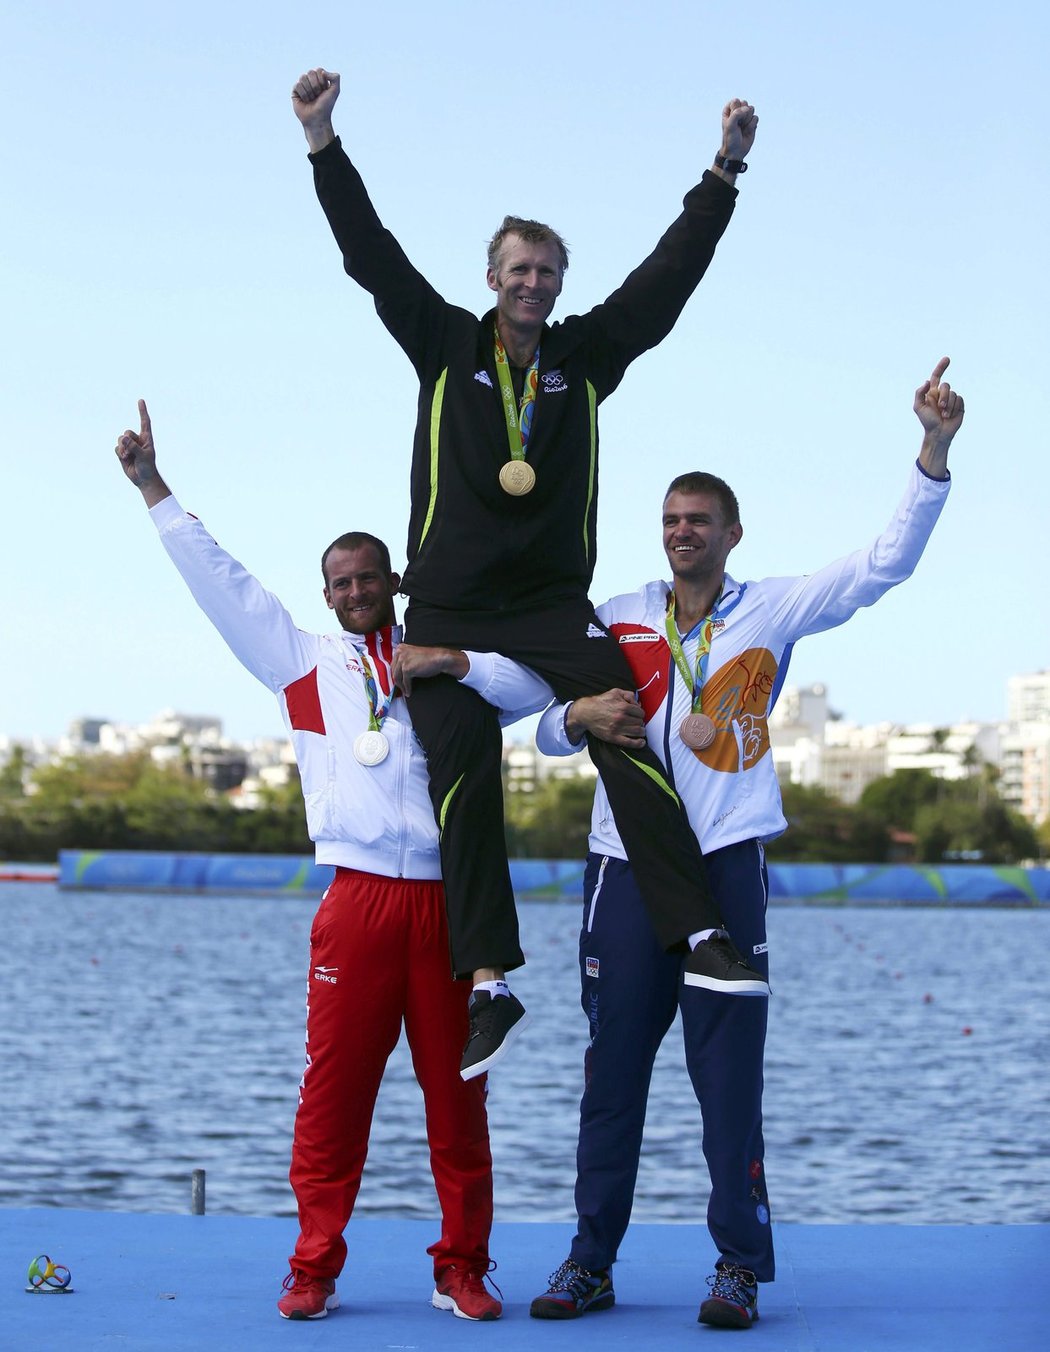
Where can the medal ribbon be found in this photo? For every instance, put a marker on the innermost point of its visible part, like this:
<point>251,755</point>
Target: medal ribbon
<point>519,417</point>
<point>376,662</point>
<point>695,684</point>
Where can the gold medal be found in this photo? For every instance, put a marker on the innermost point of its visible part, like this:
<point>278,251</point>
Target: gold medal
<point>697,731</point>
<point>517,477</point>
<point>371,748</point>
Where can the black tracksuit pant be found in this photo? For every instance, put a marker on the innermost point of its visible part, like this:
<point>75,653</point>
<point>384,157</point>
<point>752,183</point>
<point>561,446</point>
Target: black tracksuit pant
<point>461,735</point>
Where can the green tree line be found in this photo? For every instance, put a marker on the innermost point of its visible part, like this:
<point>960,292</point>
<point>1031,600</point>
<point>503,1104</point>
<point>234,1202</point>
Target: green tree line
<point>130,802</point>
<point>104,802</point>
<point>910,814</point>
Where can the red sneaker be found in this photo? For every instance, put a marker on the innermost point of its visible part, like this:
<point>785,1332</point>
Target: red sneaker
<point>464,1294</point>
<point>308,1297</point>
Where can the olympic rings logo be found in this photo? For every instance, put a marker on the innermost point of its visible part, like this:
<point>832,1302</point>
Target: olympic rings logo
<point>45,1275</point>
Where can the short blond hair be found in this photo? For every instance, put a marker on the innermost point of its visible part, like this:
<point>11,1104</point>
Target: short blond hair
<point>531,232</point>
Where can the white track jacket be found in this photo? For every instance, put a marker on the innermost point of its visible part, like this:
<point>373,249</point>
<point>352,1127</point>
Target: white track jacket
<point>378,819</point>
<point>730,789</point>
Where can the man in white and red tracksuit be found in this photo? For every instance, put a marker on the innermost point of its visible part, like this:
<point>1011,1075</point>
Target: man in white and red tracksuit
<point>501,550</point>
<point>379,942</point>
<point>709,655</point>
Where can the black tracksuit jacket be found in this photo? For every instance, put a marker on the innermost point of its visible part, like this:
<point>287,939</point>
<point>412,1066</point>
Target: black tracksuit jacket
<point>472,546</point>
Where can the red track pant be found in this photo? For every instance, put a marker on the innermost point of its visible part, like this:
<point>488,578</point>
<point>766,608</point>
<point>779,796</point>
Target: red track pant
<point>379,956</point>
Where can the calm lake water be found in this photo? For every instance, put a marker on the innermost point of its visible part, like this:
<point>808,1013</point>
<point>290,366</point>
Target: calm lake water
<point>143,1037</point>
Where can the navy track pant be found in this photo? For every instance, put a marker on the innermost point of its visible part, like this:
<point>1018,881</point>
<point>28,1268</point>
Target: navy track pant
<point>631,990</point>
<point>570,648</point>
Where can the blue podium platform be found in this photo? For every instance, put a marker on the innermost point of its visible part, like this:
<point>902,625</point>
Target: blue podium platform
<point>175,1283</point>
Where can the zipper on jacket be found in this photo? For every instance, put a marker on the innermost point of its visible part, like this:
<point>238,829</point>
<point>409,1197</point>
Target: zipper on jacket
<point>405,824</point>
<point>672,676</point>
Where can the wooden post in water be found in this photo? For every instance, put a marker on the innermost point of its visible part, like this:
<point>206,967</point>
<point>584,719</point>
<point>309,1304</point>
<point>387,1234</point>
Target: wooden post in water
<point>197,1193</point>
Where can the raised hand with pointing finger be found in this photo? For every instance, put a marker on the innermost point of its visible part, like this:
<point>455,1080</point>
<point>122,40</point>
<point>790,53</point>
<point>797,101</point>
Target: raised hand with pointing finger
<point>138,459</point>
<point>940,409</point>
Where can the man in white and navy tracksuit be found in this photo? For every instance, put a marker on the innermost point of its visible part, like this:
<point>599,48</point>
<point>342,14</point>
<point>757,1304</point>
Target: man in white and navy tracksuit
<point>704,647</point>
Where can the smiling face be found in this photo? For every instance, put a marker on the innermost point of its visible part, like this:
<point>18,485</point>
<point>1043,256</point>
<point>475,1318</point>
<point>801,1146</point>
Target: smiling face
<point>697,539</point>
<point>359,589</point>
<point>527,282</point>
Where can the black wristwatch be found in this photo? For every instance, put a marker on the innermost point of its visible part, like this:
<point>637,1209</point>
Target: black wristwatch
<point>730,166</point>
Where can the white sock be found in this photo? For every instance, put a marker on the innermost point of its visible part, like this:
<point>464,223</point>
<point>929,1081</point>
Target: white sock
<point>494,988</point>
<point>701,935</point>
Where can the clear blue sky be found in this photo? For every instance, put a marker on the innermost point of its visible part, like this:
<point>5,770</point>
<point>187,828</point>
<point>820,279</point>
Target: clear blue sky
<point>160,237</point>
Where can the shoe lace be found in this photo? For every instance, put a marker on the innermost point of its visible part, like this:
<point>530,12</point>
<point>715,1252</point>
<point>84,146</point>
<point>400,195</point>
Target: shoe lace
<point>475,1278</point>
<point>483,1275</point>
<point>727,954</point>
<point>297,1280</point>
<point>736,1284</point>
<point>573,1278</point>
<point>481,1018</point>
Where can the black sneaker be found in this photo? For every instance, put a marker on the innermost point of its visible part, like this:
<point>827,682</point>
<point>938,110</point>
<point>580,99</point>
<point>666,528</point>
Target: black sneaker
<point>733,1302</point>
<point>494,1024</point>
<point>715,965</point>
<point>574,1291</point>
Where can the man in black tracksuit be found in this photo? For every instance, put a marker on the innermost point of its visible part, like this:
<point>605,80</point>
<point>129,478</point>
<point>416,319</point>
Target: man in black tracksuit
<point>501,542</point>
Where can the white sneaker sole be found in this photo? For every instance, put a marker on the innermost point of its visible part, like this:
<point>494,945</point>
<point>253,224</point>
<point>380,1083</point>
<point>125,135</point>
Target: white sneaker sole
<point>712,983</point>
<point>331,1303</point>
<point>441,1302</point>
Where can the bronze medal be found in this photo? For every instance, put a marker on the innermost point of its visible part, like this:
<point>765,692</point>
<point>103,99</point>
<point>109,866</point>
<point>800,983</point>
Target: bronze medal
<point>517,477</point>
<point>697,731</point>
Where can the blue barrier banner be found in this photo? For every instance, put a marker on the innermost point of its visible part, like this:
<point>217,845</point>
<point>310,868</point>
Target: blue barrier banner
<point>825,884</point>
<point>141,871</point>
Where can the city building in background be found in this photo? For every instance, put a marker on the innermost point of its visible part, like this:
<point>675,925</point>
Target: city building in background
<point>812,745</point>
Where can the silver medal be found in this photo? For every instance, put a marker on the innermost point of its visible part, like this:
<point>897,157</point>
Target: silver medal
<point>371,748</point>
